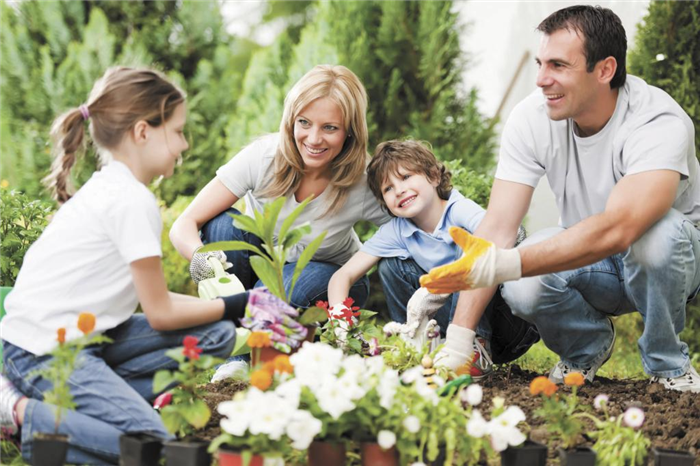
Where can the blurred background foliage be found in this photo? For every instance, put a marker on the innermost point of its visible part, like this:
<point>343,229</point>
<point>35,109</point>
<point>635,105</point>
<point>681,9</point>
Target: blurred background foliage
<point>407,54</point>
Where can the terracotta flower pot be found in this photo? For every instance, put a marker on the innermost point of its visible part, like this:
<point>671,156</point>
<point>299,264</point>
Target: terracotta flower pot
<point>139,449</point>
<point>49,449</point>
<point>664,457</point>
<point>180,453</point>
<point>528,454</point>
<point>228,457</point>
<point>373,455</point>
<point>579,456</point>
<point>327,454</point>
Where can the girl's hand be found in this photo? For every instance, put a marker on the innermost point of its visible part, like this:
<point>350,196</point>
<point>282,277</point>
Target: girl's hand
<point>200,268</point>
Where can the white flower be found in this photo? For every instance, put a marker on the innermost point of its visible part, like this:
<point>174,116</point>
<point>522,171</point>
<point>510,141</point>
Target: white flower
<point>386,439</point>
<point>290,391</point>
<point>412,424</point>
<point>302,429</point>
<point>354,365</point>
<point>599,401</point>
<point>388,383</point>
<point>477,426</point>
<point>412,374</point>
<point>237,417</point>
<point>473,395</point>
<point>503,429</point>
<point>273,461</point>
<point>392,328</point>
<point>350,385</point>
<point>660,57</point>
<point>374,366</point>
<point>272,414</point>
<point>634,417</point>
<point>417,463</point>
<point>332,399</point>
<point>315,362</point>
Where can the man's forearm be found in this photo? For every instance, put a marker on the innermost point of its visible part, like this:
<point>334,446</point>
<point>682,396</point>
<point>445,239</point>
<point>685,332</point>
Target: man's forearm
<point>471,305</point>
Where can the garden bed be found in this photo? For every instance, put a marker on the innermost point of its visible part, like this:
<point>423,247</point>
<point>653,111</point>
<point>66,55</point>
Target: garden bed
<point>672,418</point>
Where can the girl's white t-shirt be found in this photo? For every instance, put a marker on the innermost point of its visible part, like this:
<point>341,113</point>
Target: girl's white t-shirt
<point>81,262</point>
<point>245,174</point>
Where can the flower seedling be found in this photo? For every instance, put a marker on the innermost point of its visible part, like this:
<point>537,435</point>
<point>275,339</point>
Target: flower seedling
<point>561,413</point>
<point>64,361</point>
<point>186,410</point>
<point>351,328</point>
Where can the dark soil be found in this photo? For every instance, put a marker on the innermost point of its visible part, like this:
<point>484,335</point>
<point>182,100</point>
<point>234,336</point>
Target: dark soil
<point>672,418</point>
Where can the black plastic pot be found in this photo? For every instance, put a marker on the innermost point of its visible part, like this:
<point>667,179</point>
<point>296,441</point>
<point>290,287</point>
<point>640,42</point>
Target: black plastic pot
<point>664,457</point>
<point>528,454</point>
<point>179,453</point>
<point>139,449</point>
<point>49,449</point>
<point>579,456</point>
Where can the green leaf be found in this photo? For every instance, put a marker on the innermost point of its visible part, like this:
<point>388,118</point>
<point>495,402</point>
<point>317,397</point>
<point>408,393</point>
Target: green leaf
<point>291,218</point>
<point>365,314</point>
<point>196,413</point>
<point>173,420</point>
<point>271,214</point>
<point>305,258</point>
<point>355,345</point>
<point>267,273</point>
<point>230,246</point>
<point>162,380</point>
<point>246,223</point>
<point>313,315</point>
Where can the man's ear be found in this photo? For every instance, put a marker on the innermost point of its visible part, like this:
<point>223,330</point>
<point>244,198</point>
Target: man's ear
<point>606,69</point>
<point>140,131</point>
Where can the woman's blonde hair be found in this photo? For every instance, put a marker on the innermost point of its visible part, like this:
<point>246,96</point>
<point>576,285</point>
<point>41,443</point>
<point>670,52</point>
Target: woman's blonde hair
<point>118,100</point>
<point>345,89</point>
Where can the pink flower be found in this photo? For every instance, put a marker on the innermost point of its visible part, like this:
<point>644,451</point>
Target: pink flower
<point>598,401</point>
<point>634,417</point>
<point>374,347</point>
<point>190,349</point>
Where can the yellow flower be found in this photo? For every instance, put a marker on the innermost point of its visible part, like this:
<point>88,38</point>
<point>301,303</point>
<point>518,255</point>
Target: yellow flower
<point>61,338</point>
<point>86,322</point>
<point>4,184</point>
<point>259,340</point>
<point>261,379</point>
<point>282,365</point>
<point>574,379</point>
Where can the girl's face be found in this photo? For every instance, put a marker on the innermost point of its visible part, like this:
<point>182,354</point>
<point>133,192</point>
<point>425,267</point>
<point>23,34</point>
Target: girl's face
<point>319,134</point>
<point>166,144</point>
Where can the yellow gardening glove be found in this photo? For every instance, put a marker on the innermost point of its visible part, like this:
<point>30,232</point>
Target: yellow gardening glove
<point>482,265</point>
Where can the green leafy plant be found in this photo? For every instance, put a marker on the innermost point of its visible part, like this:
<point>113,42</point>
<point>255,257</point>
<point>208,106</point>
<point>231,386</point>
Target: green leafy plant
<point>63,362</point>
<point>21,222</point>
<point>562,413</point>
<point>352,329</point>
<point>187,411</point>
<point>268,262</point>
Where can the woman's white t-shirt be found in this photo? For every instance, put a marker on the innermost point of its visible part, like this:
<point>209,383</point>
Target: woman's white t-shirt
<point>244,175</point>
<point>80,263</point>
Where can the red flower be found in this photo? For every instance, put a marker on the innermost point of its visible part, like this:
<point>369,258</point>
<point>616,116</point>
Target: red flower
<point>349,304</point>
<point>322,304</point>
<point>163,399</point>
<point>190,349</point>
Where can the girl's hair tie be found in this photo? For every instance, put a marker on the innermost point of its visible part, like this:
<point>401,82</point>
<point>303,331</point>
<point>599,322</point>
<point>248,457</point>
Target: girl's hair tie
<point>84,112</point>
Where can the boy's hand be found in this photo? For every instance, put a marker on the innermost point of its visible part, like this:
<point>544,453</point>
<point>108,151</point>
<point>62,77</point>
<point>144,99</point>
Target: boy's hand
<point>482,265</point>
<point>200,268</point>
<point>421,307</point>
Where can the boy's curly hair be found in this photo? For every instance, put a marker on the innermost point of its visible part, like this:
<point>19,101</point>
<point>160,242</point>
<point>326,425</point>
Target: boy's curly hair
<point>410,155</point>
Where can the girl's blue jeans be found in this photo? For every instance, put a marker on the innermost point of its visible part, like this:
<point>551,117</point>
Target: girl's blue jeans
<point>312,284</point>
<point>656,276</point>
<point>509,336</point>
<point>112,387</point>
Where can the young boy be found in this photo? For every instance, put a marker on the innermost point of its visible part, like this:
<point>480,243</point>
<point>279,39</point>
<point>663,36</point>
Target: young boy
<point>409,181</point>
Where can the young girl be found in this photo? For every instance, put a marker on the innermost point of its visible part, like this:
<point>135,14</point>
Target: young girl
<point>101,254</point>
<point>320,150</point>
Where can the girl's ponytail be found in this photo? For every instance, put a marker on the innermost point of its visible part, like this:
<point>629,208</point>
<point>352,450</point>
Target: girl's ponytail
<point>68,132</point>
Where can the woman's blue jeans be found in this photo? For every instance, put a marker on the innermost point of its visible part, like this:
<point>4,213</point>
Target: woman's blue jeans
<point>112,386</point>
<point>509,336</point>
<point>312,284</point>
<point>656,277</point>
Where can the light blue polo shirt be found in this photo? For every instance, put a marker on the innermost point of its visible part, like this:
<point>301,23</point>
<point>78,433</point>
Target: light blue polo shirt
<point>403,239</point>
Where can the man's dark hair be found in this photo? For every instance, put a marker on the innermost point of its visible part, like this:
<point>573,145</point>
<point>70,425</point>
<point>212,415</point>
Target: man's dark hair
<point>602,33</point>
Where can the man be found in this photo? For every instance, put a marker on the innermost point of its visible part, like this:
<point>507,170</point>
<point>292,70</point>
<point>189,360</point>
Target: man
<point>620,157</point>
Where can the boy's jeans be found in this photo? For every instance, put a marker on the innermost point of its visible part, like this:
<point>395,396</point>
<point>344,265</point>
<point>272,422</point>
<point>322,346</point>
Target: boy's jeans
<point>509,336</point>
<point>656,276</point>
<point>312,284</point>
<point>112,387</point>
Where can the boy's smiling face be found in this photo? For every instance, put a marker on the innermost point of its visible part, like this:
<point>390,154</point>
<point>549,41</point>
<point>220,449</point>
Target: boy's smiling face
<point>412,195</point>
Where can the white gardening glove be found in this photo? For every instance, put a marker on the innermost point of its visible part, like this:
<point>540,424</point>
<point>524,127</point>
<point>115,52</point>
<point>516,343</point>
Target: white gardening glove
<point>482,265</point>
<point>422,306</point>
<point>200,268</point>
<point>458,349</point>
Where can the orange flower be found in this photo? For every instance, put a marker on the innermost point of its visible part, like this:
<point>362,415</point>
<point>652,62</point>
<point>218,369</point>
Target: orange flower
<point>550,389</point>
<point>538,385</point>
<point>574,379</point>
<point>269,366</point>
<point>61,336</point>
<point>86,322</point>
<point>259,340</point>
<point>261,379</point>
<point>282,365</point>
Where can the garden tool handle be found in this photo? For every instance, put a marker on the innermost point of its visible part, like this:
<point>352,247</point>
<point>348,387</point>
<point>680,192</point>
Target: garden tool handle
<point>216,266</point>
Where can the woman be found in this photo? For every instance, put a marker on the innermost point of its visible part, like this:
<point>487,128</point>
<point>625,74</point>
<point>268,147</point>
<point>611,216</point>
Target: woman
<point>320,151</point>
